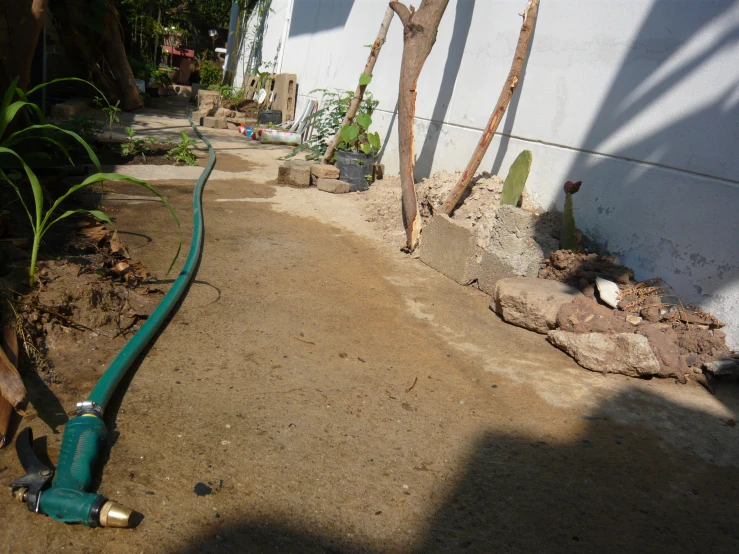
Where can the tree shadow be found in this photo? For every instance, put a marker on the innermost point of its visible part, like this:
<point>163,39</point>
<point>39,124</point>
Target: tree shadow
<point>460,32</point>
<point>643,475</point>
<point>651,199</point>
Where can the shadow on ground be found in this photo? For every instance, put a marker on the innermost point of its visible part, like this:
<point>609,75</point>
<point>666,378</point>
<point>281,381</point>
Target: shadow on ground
<point>620,487</point>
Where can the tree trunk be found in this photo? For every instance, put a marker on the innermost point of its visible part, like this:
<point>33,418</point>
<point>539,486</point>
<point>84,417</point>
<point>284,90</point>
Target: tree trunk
<point>359,93</point>
<point>529,18</point>
<point>419,35</point>
<point>102,55</point>
<point>21,22</point>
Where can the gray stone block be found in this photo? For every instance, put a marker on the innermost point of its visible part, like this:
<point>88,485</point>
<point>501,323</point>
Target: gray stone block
<point>214,122</point>
<point>518,243</point>
<point>295,173</point>
<point>531,303</point>
<point>449,247</point>
<point>624,353</point>
<point>70,108</point>
<point>332,185</point>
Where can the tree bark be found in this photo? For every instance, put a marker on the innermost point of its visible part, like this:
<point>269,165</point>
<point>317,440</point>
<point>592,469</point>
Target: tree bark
<point>21,22</point>
<point>102,55</point>
<point>529,18</point>
<point>359,93</point>
<point>419,35</point>
<point>11,384</point>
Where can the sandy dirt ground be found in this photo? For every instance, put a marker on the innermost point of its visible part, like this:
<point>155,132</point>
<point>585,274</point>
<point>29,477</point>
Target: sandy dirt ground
<point>336,395</point>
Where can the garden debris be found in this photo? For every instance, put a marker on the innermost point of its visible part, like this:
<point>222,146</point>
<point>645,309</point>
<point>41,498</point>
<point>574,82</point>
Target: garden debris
<point>581,270</point>
<point>608,291</point>
<point>11,384</point>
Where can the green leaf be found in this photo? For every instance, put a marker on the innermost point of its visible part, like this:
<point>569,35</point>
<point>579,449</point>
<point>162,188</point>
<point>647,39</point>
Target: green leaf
<point>97,213</point>
<point>365,80</point>
<point>364,120</point>
<point>12,139</point>
<point>366,148</point>
<point>349,133</point>
<point>374,140</point>
<point>38,195</point>
<point>8,98</point>
<point>516,179</point>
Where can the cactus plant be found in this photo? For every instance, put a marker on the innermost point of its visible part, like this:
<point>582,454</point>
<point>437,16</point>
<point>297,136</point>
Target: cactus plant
<point>516,180</point>
<point>568,233</point>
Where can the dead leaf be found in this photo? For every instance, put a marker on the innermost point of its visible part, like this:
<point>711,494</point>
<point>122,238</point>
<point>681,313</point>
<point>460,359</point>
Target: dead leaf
<point>116,246</point>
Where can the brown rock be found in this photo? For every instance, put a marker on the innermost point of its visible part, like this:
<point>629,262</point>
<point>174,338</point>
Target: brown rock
<point>332,185</point>
<point>530,302</point>
<point>324,171</point>
<point>591,317</point>
<point>295,173</point>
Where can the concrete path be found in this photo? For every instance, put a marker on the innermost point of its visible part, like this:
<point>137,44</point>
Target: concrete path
<point>338,396</point>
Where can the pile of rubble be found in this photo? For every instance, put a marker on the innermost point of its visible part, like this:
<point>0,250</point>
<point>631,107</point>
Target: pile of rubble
<point>588,305</point>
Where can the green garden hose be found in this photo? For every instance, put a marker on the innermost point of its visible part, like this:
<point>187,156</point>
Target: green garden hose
<point>68,499</point>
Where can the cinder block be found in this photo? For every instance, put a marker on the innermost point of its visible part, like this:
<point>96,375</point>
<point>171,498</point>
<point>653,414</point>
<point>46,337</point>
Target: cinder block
<point>449,247</point>
<point>284,90</point>
<point>518,243</point>
<point>295,173</point>
<point>214,122</point>
<point>332,185</point>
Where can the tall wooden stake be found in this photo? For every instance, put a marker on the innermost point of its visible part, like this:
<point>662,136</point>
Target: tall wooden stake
<point>419,35</point>
<point>529,17</point>
<point>359,93</point>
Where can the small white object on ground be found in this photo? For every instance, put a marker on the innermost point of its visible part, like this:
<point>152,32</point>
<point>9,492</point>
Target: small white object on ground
<point>609,291</point>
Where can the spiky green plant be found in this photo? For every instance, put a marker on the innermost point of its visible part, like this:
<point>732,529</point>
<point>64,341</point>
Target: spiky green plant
<point>568,233</point>
<point>516,179</point>
<point>42,220</point>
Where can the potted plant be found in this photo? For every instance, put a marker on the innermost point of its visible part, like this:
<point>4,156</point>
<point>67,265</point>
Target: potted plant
<point>355,154</point>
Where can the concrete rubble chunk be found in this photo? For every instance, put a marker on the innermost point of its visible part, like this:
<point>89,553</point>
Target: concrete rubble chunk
<point>448,246</point>
<point>332,185</point>
<point>208,98</point>
<point>719,368</point>
<point>214,122</point>
<point>624,353</point>
<point>531,303</point>
<point>518,243</point>
<point>294,173</point>
<point>324,171</point>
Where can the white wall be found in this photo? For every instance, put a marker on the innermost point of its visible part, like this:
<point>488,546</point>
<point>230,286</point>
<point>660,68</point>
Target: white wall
<point>636,98</point>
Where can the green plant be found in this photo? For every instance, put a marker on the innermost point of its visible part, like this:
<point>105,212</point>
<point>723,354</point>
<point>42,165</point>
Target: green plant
<point>136,145</point>
<point>111,112</point>
<point>88,128</point>
<point>568,233</point>
<point>160,77</point>
<point>210,74</point>
<point>43,220</point>
<point>516,179</point>
<point>328,119</point>
<point>356,136</point>
<point>183,151</point>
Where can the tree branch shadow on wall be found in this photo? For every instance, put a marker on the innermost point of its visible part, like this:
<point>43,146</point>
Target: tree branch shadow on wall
<point>460,32</point>
<point>619,486</point>
<point>658,219</point>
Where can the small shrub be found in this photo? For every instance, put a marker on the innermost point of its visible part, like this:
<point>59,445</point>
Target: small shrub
<point>210,74</point>
<point>183,151</point>
<point>136,145</point>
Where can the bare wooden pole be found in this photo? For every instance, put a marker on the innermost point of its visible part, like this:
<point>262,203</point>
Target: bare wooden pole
<point>359,93</point>
<point>419,35</point>
<point>529,18</point>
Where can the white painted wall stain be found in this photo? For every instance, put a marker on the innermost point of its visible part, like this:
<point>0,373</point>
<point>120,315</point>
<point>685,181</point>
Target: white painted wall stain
<point>639,99</point>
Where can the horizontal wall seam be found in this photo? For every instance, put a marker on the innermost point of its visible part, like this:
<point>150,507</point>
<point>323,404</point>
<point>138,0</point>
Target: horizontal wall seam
<point>730,182</point>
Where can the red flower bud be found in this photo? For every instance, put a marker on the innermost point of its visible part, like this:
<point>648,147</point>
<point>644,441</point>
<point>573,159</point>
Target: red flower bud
<point>572,188</point>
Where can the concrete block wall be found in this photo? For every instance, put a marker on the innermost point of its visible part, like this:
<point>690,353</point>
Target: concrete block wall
<point>636,98</point>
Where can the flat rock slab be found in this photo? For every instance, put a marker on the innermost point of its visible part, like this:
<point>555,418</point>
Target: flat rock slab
<point>294,173</point>
<point>333,185</point>
<point>624,353</point>
<point>531,303</point>
<point>449,247</point>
